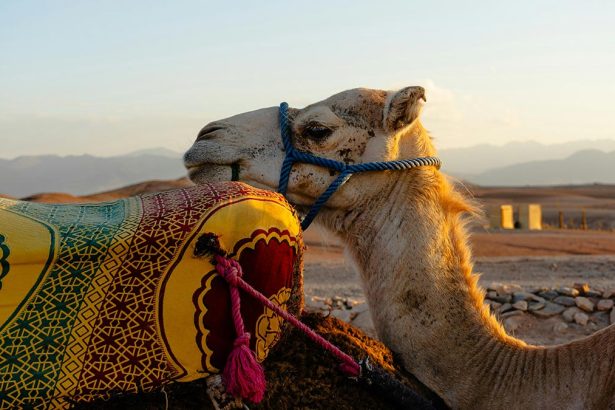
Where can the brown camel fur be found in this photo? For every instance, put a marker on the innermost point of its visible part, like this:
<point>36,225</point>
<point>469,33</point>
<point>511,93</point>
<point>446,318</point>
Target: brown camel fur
<point>404,231</point>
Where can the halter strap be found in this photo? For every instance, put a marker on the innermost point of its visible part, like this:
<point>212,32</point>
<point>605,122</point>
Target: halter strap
<point>294,155</point>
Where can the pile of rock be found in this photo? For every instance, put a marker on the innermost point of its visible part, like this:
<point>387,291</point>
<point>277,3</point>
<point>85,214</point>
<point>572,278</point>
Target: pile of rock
<point>579,304</point>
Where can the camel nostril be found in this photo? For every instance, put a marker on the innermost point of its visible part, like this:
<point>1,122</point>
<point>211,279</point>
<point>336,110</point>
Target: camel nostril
<point>420,93</point>
<point>204,133</point>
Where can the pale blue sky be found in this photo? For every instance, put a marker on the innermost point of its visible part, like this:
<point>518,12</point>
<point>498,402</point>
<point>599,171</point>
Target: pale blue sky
<point>108,77</point>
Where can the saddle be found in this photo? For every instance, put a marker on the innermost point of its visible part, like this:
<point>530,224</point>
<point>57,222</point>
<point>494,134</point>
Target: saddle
<point>118,297</point>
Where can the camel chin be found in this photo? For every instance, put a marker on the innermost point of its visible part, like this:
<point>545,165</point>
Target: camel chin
<point>210,173</point>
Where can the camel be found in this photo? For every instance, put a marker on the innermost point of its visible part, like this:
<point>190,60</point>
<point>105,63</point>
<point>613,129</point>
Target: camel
<point>405,233</point>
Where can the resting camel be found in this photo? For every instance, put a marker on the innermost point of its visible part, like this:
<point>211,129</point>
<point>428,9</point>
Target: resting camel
<point>405,233</point>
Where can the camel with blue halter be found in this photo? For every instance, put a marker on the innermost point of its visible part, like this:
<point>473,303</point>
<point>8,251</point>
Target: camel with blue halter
<point>404,229</point>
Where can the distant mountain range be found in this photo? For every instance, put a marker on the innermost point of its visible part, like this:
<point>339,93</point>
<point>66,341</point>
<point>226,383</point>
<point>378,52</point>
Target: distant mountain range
<point>469,161</point>
<point>85,174</point>
<point>582,167</point>
<point>533,163</point>
<point>514,164</point>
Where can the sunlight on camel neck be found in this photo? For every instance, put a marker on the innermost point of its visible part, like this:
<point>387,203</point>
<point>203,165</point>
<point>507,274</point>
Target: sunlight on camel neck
<point>410,247</point>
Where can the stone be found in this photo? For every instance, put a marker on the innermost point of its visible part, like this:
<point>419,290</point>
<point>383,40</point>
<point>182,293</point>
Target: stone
<point>364,322</point>
<point>599,317</point>
<point>337,302</point>
<point>584,303</point>
<point>605,305</point>
<point>609,293</point>
<point>548,294</point>
<point>569,313</point>
<point>511,313</point>
<point>492,294</point>
<point>505,308</point>
<point>493,286</point>
<point>593,294</point>
<point>568,291</point>
<point>565,301</point>
<point>502,299</point>
<point>560,327</point>
<point>343,315</point>
<point>493,305</point>
<point>520,305</point>
<point>360,308</point>
<point>316,303</point>
<point>581,318</point>
<point>613,316</point>
<point>536,298</point>
<point>550,309</point>
<point>504,289</point>
<point>533,306</point>
<point>517,296</point>
<point>513,323</point>
<point>352,302</point>
<point>536,291</point>
<point>583,288</point>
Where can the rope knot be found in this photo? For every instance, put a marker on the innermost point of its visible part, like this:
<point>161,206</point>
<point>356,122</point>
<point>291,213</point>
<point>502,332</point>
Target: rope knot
<point>230,270</point>
<point>243,340</point>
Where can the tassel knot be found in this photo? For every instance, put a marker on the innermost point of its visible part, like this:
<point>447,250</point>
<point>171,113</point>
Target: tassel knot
<point>243,340</point>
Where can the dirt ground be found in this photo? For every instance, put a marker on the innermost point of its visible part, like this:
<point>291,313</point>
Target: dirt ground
<point>542,243</point>
<point>532,260</point>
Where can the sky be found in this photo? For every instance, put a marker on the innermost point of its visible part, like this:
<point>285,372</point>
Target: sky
<point>111,77</point>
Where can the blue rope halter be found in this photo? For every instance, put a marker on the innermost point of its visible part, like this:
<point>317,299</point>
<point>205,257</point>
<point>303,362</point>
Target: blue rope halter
<point>345,171</point>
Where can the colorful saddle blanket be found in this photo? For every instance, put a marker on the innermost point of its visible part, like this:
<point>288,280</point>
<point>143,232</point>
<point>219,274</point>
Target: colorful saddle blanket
<point>107,298</point>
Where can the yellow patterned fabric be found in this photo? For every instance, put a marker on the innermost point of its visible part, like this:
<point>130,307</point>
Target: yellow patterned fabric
<point>108,298</point>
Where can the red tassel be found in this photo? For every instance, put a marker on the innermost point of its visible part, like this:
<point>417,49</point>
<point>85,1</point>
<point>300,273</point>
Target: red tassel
<point>243,375</point>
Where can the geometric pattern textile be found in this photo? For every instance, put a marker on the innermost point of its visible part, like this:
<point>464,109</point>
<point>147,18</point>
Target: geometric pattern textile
<point>111,298</point>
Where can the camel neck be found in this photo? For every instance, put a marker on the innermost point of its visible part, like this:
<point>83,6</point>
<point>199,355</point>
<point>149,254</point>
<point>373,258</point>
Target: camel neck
<point>409,248</point>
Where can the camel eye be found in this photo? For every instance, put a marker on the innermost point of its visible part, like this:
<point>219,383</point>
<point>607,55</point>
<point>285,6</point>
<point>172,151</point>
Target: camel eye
<point>317,132</point>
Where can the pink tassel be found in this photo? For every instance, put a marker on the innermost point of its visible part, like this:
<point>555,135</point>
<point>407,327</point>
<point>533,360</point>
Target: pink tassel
<point>243,375</point>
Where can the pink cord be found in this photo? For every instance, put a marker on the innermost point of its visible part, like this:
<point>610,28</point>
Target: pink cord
<point>243,376</point>
<point>348,366</point>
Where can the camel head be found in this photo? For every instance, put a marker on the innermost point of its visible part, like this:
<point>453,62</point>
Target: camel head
<point>354,126</point>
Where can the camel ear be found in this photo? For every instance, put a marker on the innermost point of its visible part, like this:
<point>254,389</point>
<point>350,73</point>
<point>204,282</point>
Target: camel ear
<point>403,107</point>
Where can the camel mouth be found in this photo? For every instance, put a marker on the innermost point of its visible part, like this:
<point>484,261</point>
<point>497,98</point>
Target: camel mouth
<point>208,172</point>
<point>208,130</point>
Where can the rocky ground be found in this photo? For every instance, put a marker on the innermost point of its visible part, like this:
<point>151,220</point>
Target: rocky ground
<point>543,299</point>
<point>538,316</point>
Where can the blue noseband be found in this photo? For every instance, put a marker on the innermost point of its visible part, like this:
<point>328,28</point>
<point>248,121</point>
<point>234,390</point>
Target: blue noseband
<point>345,171</point>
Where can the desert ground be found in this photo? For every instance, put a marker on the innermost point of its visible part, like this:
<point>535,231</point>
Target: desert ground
<point>511,262</point>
